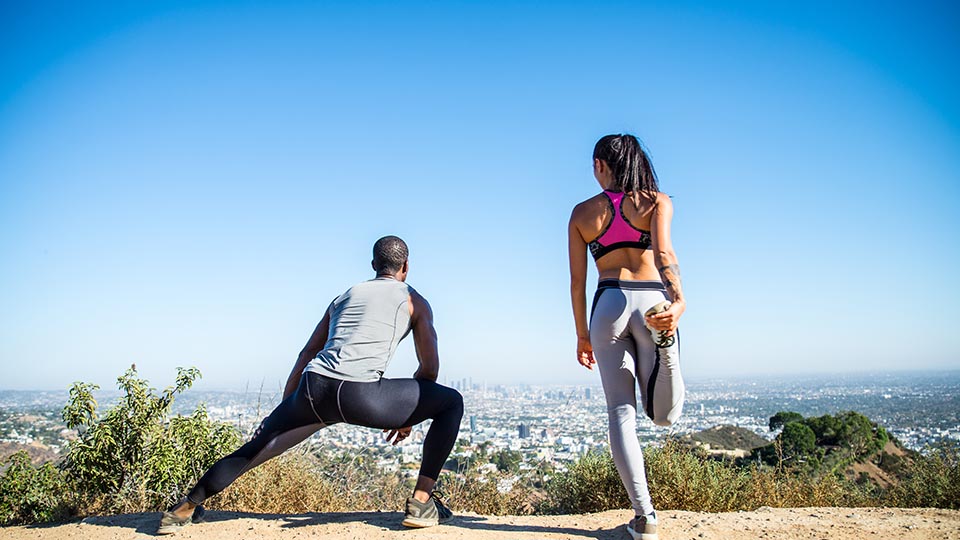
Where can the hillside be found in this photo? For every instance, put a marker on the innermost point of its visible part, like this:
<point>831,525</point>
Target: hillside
<point>727,440</point>
<point>780,523</point>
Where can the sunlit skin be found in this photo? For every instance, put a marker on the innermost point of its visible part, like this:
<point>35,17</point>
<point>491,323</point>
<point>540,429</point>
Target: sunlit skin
<point>657,263</point>
<point>425,343</point>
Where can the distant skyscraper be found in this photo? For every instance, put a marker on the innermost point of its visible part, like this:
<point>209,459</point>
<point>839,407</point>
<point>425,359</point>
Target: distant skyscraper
<point>524,431</point>
<point>586,393</point>
<point>473,422</point>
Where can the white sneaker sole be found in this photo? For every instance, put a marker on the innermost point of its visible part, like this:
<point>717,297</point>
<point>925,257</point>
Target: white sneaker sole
<point>641,536</point>
<point>418,523</point>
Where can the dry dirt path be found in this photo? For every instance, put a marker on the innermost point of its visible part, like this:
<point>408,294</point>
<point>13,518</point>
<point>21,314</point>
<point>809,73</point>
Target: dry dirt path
<point>764,523</point>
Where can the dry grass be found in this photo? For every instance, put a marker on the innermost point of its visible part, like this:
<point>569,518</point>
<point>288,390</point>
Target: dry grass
<point>481,493</point>
<point>681,479</point>
<point>296,483</point>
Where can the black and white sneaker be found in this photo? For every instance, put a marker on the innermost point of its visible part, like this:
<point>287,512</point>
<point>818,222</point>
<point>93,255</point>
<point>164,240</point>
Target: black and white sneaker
<point>660,338</point>
<point>426,514</point>
<point>643,527</point>
<point>171,523</point>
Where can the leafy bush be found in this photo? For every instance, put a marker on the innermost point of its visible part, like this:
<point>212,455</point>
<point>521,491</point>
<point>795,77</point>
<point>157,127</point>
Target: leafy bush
<point>31,494</point>
<point>591,484</point>
<point>932,480</point>
<point>135,458</point>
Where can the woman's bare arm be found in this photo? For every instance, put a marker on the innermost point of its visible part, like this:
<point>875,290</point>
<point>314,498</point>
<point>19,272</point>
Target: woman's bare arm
<point>668,265</point>
<point>578,291</point>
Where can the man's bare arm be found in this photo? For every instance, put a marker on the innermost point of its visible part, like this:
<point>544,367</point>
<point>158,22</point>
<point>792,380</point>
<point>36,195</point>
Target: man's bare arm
<point>314,345</point>
<point>424,338</point>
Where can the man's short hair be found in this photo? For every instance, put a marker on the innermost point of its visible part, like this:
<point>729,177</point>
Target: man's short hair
<point>389,254</point>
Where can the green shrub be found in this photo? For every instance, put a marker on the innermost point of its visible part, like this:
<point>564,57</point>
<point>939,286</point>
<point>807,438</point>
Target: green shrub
<point>31,494</point>
<point>932,480</point>
<point>135,457</point>
<point>591,484</point>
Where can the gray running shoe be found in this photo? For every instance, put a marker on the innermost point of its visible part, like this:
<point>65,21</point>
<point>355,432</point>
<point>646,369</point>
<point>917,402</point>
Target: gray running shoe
<point>426,514</point>
<point>643,527</point>
<point>171,523</point>
<point>660,339</point>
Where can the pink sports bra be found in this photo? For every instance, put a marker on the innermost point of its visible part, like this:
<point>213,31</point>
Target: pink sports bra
<point>619,233</point>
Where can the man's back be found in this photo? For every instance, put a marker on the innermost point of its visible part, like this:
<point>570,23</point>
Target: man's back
<point>366,324</point>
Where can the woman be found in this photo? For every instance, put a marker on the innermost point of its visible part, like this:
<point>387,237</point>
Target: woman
<point>631,334</point>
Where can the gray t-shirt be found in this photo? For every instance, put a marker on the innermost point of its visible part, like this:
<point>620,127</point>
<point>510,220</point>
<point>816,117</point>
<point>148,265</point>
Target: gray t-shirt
<point>366,324</point>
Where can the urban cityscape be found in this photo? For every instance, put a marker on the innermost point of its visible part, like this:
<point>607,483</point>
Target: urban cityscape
<point>556,424</point>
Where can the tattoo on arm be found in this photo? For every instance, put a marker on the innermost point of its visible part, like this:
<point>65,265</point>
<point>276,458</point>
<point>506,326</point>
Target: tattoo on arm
<point>671,279</point>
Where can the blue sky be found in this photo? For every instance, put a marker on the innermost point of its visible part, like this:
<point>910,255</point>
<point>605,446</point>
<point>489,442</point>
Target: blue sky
<point>191,183</point>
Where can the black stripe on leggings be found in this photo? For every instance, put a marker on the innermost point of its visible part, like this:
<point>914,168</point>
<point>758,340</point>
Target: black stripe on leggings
<point>596,298</point>
<point>652,383</point>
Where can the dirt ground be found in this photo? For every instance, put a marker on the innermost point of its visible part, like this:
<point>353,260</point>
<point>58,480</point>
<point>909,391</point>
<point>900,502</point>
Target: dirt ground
<point>766,523</point>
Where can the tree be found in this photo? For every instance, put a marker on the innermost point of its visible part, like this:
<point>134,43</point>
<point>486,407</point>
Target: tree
<point>859,434</point>
<point>827,428</point>
<point>783,418</point>
<point>798,443</point>
<point>507,460</point>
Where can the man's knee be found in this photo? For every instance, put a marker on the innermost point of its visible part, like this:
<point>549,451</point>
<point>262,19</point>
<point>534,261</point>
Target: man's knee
<point>456,402</point>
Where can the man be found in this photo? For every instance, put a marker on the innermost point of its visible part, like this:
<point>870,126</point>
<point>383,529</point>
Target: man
<point>338,378</point>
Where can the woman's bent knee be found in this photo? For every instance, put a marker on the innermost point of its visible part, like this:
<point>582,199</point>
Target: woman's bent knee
<point>668,419</point>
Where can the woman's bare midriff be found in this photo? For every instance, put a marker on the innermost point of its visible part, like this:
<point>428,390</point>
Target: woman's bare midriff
<point>630,264</point>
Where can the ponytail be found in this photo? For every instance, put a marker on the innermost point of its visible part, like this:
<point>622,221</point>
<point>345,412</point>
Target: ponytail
<point>632,170</point>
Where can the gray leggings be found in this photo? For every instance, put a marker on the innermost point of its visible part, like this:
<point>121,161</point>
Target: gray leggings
<point>626,356</point>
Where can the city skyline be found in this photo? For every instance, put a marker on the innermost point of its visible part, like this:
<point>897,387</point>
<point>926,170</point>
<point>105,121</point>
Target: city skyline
<point>190,184</point>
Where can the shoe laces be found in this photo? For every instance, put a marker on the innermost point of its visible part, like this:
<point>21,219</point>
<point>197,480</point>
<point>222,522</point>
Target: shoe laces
<point>663,340</point>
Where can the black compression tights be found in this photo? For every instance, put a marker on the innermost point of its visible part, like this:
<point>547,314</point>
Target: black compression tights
<point>321,401</point>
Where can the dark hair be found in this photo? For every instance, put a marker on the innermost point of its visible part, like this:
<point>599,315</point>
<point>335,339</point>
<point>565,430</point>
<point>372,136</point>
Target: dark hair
<point>632,170</point>
<point>389,254</point>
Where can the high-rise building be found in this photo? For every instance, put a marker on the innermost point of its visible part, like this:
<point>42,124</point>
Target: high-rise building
<point>586,393</point>
<point>473,422</point>
<point>524,431</point>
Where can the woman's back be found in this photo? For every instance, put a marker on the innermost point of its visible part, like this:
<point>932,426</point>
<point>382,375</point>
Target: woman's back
<point>625,253</point>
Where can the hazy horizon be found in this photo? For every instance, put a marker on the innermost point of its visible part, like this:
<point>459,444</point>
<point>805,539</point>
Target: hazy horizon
<point>268,386</point>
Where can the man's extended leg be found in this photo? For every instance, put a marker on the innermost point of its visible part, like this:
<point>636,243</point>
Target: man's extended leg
<point>290,423</point>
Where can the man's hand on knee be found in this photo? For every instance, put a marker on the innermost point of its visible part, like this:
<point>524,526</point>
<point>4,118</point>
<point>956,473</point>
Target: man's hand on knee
<point>398,434</point>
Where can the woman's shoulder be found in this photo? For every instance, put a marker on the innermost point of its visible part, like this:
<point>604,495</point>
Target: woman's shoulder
<point>663,201</point>
<point>598,202</point>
